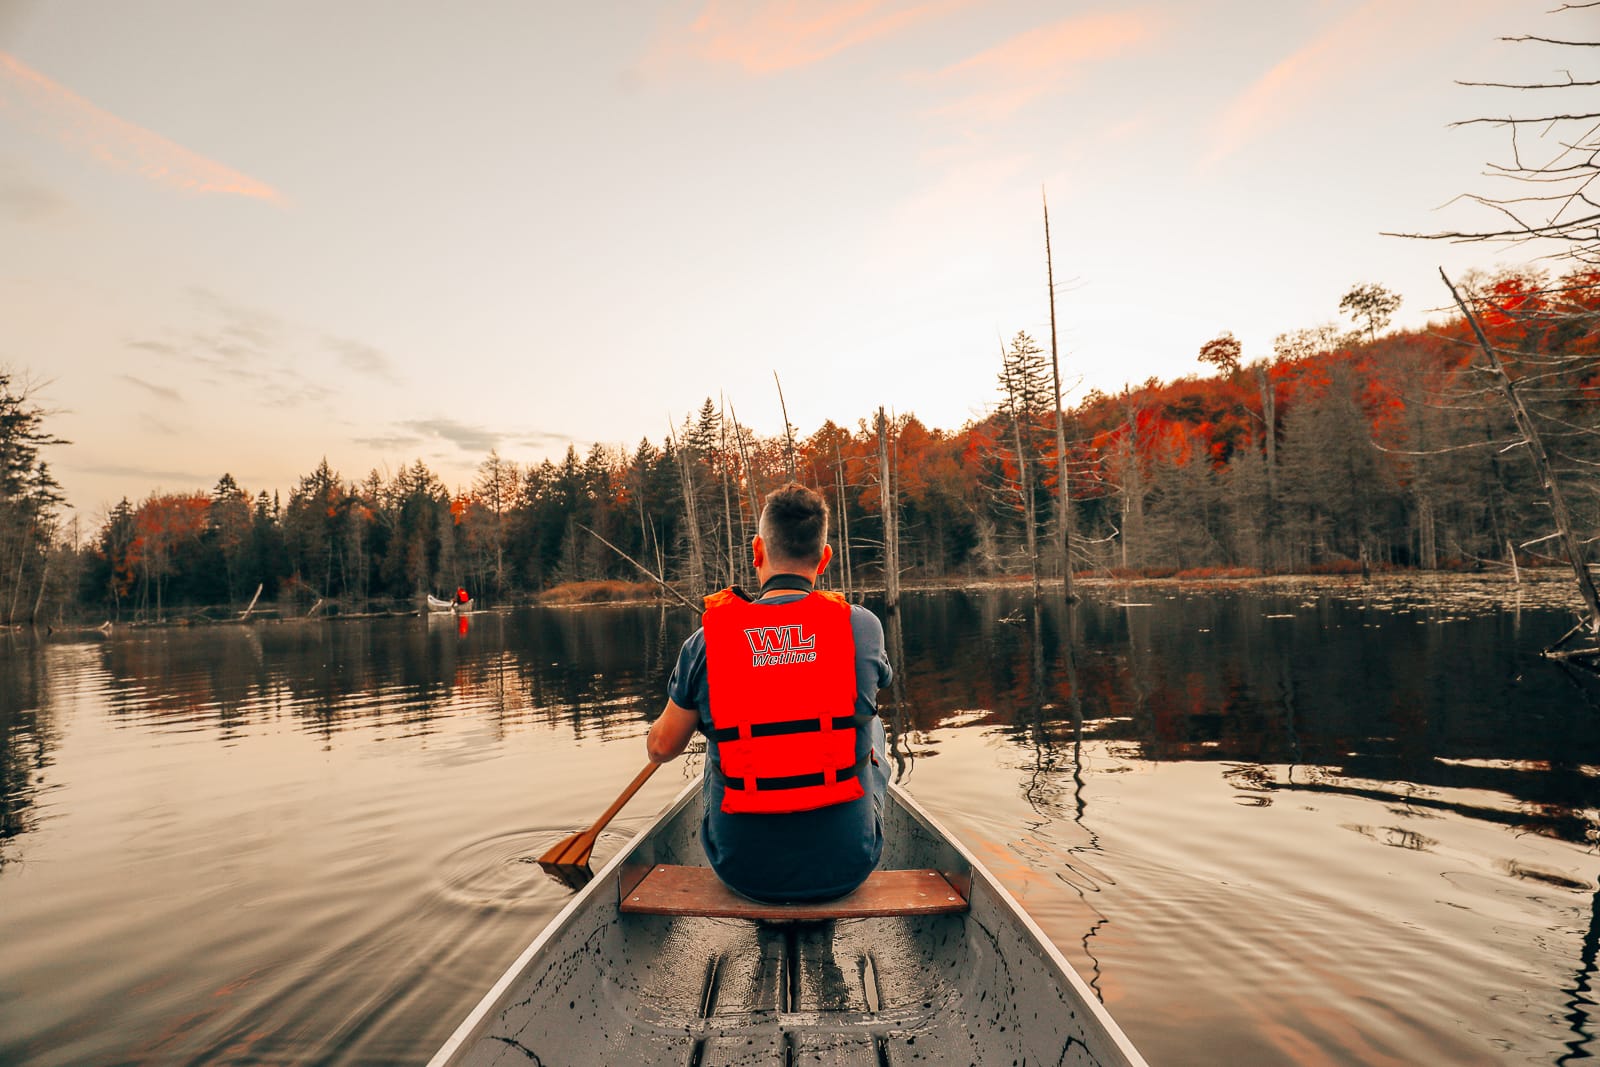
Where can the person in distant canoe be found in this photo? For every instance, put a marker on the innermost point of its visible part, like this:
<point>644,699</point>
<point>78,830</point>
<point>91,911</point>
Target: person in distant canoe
<point>461,595</point>
<point>784,684</point>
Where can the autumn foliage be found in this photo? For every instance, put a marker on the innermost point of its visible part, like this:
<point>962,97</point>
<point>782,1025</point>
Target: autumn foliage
<point>1343,451</point>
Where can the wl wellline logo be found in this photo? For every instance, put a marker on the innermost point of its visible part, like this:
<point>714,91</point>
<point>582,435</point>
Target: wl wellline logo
<point>772,646</point>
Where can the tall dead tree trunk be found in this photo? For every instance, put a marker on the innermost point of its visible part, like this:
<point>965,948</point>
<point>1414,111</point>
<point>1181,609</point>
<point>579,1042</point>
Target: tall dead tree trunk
<point>891,522</point>
<point>727,504</point>
<point>1063,487</point>
<point>1541,462</point>
<point>38,601</point>
<point>844,516</point>
<point>16,581</point>
<point>751,488</point>
<point>691,517</point>
<point>1132,477</point>
<point>1269,420</point>
<point>1029,514</point>
<point>788,431</point>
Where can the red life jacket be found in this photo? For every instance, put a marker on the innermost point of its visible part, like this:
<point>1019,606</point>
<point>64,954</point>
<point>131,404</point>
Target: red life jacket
<point>782,682</point>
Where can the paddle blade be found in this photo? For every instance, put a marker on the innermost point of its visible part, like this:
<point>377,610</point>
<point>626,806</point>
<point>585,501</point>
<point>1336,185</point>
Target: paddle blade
<point>571,851</point>
<point>573,876</point>
<point>567,861</point>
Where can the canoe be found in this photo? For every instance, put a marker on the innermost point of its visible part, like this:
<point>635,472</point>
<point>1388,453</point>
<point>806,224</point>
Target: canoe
<point>653,962</point>
<point>442,606</point>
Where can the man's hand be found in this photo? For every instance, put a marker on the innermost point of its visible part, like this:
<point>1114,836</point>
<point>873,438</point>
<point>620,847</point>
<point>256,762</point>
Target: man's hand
<point>671,733</point>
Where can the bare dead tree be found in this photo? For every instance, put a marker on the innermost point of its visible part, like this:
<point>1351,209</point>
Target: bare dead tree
<point>891,524</point>
<point>646,571</point>
<point>690,513</point>
<point>727,502</point>
<point>1535,446</point>
<point>1554,163</point>
<point>788,430</point>
<point>844,516</point>
<point>1063,488</point>
<point>751,488</point>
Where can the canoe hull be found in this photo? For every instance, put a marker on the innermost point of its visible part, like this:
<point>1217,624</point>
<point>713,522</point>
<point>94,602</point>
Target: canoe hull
<point>599,986</point>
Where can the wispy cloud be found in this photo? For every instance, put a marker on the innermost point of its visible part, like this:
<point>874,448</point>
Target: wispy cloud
<point>390,442</point>
<point>147,475</point>
<point>364,359</point>
<point>465,437</point>
<point>159,391</point>
<point>1001,80</point>
<point>477,440</point>
<point>1334,53</point>
<point>28,201</point>
<point>780,35</point>
<point>32,100</point>
<point>155,426</point>
<point>297,394</point>
<point>234,342</point>
<point>160,474</point>
<point>232,346</point>
<point>540,439</point>
<point>255,357</point>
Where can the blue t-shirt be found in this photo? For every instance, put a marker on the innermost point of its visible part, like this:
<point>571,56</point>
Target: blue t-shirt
<point>802,855</point>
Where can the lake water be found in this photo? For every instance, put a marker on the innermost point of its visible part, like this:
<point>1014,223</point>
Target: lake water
<point>1306,827</point>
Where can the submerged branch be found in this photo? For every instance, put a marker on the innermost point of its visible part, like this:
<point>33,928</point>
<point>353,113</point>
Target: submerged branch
<point>646,571</point>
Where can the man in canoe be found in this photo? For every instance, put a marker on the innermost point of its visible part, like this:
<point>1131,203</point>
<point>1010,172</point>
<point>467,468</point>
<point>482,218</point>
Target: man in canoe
<point>784,684</point>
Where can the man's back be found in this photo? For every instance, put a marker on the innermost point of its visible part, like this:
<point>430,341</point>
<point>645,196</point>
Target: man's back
<point>801,855</point>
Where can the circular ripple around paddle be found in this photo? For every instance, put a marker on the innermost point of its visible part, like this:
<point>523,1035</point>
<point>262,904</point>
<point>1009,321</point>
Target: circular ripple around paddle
<point>503,872</point>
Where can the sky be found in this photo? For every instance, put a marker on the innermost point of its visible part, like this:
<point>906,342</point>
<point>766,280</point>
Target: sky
<point>244,237</point>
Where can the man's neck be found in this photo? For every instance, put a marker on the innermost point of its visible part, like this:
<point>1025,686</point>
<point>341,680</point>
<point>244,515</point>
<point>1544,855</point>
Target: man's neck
<point>785,583</point>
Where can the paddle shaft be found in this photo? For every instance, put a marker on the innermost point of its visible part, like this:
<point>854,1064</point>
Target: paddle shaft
<point>574,851</point>
<point>627,795</point>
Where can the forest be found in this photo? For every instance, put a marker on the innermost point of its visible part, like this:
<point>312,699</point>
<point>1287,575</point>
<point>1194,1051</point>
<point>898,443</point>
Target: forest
<point>1351,448</point>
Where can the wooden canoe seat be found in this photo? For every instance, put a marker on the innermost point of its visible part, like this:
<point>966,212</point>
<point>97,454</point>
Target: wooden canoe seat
<point>672,890</point>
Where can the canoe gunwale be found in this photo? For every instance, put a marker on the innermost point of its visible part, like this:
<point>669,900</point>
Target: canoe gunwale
<point>606,880</point>
<point>984,892</point>
<point>992,908</point>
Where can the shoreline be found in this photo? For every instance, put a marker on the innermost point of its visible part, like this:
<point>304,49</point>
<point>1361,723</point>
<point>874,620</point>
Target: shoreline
<point>1541,588</point>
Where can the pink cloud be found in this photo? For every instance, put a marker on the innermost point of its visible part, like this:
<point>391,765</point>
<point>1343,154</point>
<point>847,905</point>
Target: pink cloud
<point>1016,72</point>
<point>779,35</point>
<point>33,100</point>
<point>1357,40</point>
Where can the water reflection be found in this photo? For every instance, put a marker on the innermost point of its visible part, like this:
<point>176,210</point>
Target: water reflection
<point>584,670</point>
<point>1332,696</point>
<point>1581,999</point>
<point>28,737</point>
<point>1298,696</point>
<point>262,756</point>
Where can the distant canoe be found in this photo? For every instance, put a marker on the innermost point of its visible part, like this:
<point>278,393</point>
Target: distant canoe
<point>444,606</point>
<point>653,962</point>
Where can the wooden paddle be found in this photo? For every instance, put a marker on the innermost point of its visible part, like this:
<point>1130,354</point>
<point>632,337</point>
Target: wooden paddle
<point>568,860</point>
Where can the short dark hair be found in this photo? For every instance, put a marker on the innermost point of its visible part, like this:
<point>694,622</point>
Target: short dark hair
<point>794,525</point>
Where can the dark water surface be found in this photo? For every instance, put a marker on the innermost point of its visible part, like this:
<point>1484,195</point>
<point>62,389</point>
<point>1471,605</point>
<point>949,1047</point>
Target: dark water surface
<point>1297,829</point>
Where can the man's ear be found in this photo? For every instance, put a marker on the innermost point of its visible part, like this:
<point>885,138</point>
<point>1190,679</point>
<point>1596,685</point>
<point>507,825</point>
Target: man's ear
<point>758,551</point>
<point>827,554</point>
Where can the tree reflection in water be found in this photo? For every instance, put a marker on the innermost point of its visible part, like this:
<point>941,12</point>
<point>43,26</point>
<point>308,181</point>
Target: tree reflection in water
<point>1357,708</point>
<point>28,736</point>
